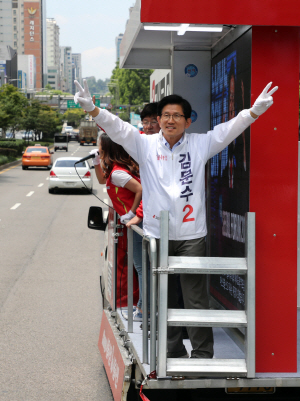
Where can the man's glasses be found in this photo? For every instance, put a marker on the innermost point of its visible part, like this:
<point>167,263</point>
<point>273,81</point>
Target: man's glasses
<point>176,117</point>
<point>146,123</point>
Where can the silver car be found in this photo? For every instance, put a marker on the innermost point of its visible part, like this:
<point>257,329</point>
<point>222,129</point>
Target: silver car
<point>63,175</point>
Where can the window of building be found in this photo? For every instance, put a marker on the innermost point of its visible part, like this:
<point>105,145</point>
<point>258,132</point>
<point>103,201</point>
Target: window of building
<point>51,82</point>
<point>15,27</point>
<point>14,5</point>
<point>15,44</point>
<point>15,36</point>
<point>51,76</point>
<point>15,12</point>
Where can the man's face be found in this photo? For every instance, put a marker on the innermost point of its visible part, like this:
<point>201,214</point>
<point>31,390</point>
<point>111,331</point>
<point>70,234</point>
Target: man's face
<point>172,129</point>
<point>150,125</point>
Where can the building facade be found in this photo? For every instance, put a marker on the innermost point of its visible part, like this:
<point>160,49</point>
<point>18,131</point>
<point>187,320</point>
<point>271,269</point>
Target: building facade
<point>76,70</point>
<point>66,68</point>
<point>53,54</point>
<point>6,28</point>
<point>35,37</point>
<point>118,43</point>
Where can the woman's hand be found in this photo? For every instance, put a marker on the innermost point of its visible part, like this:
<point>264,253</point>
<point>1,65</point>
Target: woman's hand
<point>135,221</point>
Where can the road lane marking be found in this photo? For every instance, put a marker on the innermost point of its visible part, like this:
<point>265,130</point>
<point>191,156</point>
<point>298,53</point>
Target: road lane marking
<point>15,206</point>
<point>104,189</point>
<point>30,193</point>
<point>40,185</point>
<point>4,171</point>
<point>47,178</point>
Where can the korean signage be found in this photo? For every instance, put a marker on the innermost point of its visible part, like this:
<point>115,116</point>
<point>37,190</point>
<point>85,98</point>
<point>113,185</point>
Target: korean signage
<point>72,105</point>
<point>31,71</point>
<point>31,12</point>
<point>112,358</point>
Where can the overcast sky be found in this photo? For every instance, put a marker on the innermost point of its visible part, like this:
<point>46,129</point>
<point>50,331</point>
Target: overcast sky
<point>90,28</point>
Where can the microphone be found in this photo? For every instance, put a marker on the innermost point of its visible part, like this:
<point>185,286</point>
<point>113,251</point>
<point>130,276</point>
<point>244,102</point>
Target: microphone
<point>92,156</point>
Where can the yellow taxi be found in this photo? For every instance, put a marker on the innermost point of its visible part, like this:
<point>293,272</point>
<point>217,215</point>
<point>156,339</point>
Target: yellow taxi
<point>37,156</point>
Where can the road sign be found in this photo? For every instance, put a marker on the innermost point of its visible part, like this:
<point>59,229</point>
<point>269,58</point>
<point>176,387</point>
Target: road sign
<point>72,105</point>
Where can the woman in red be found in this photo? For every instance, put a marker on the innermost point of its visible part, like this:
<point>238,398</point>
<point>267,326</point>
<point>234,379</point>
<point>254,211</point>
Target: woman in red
<point>115,168</point>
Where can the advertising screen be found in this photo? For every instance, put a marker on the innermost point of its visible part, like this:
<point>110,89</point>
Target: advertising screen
<point>229,170</point>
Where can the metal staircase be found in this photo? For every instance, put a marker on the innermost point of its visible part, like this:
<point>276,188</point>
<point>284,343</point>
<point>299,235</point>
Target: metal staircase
<point>206,318</point>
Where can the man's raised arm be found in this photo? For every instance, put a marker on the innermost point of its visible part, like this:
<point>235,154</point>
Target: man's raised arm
<point>224,133</point>
<point>119,131</point>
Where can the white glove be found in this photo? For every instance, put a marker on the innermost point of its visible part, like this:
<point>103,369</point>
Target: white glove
<point>127,216</point>
<point>264,100</point>
<point>96,159</point>
<point>83,96</point>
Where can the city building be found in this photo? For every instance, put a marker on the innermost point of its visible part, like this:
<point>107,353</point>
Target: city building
<point>35,36</point>
<point>53,54</point>
<point>66,68</point>
<point>118,43</point>
<point>27,66</point>
<point>6,28</point>
<point>76,70</point>
<point>8,65</point>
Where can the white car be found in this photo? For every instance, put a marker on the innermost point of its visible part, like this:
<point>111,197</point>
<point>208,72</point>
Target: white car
<point>63,175</point>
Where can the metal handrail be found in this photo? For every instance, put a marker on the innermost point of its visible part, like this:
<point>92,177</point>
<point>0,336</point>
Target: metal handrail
<point>153,292</point>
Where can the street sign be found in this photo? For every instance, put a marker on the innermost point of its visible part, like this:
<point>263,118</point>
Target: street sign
<point>72,105</point>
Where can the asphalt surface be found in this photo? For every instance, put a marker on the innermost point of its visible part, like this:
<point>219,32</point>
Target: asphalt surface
<point>50,304</point>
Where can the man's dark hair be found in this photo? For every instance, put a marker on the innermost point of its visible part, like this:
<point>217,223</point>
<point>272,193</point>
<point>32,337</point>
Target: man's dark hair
<point>150,110</point>
<point>175,99</point>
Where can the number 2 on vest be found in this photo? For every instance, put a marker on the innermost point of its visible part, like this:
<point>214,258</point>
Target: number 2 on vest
<point>190,211</point>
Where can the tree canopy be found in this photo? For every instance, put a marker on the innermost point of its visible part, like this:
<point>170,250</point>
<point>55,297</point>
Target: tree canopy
<point>130,87</point>
<point>98,86</point>
<point>17,112</point>
<point>12,106</point>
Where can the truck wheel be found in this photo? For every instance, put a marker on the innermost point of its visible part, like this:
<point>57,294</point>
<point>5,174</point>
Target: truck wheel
<point>50,190</point>
<point>24,167</point>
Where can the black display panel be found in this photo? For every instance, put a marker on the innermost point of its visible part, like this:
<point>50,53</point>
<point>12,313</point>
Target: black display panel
<point>229,170</point>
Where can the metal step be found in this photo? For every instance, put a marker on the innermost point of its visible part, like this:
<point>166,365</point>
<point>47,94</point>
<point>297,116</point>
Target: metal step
<point>206,367</point>
<point>206,318</point>
<point>206,265</point>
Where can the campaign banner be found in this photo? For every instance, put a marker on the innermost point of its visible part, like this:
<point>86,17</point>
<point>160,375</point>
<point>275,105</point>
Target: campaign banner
<point>112,358</point>
<point>229,170</point>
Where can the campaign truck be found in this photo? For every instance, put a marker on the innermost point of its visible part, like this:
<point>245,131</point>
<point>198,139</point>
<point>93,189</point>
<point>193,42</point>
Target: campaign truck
<point>218,57</point>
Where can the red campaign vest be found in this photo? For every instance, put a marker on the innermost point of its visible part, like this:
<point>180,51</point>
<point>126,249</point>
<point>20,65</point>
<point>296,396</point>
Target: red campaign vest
<point>122,198</point>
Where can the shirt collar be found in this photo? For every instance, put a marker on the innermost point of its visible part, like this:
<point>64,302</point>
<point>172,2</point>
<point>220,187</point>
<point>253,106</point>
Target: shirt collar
<point>176,144</point>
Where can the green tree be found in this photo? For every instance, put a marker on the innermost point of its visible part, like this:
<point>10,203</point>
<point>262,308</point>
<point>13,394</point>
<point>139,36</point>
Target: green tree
<point>41,118</point>
<point>73,116</point>
<point>98,86</point>
<point>130,87</point>
<point>12,106</point>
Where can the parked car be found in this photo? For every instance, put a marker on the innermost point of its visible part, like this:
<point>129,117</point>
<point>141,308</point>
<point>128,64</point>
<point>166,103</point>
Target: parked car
<point>37,156</point>
<point>9,134</point>
<point>63,175</point>
<point>28,136</point>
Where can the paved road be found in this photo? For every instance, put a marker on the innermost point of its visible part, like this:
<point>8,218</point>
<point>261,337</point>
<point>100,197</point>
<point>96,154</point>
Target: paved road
<point>50,306</point>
